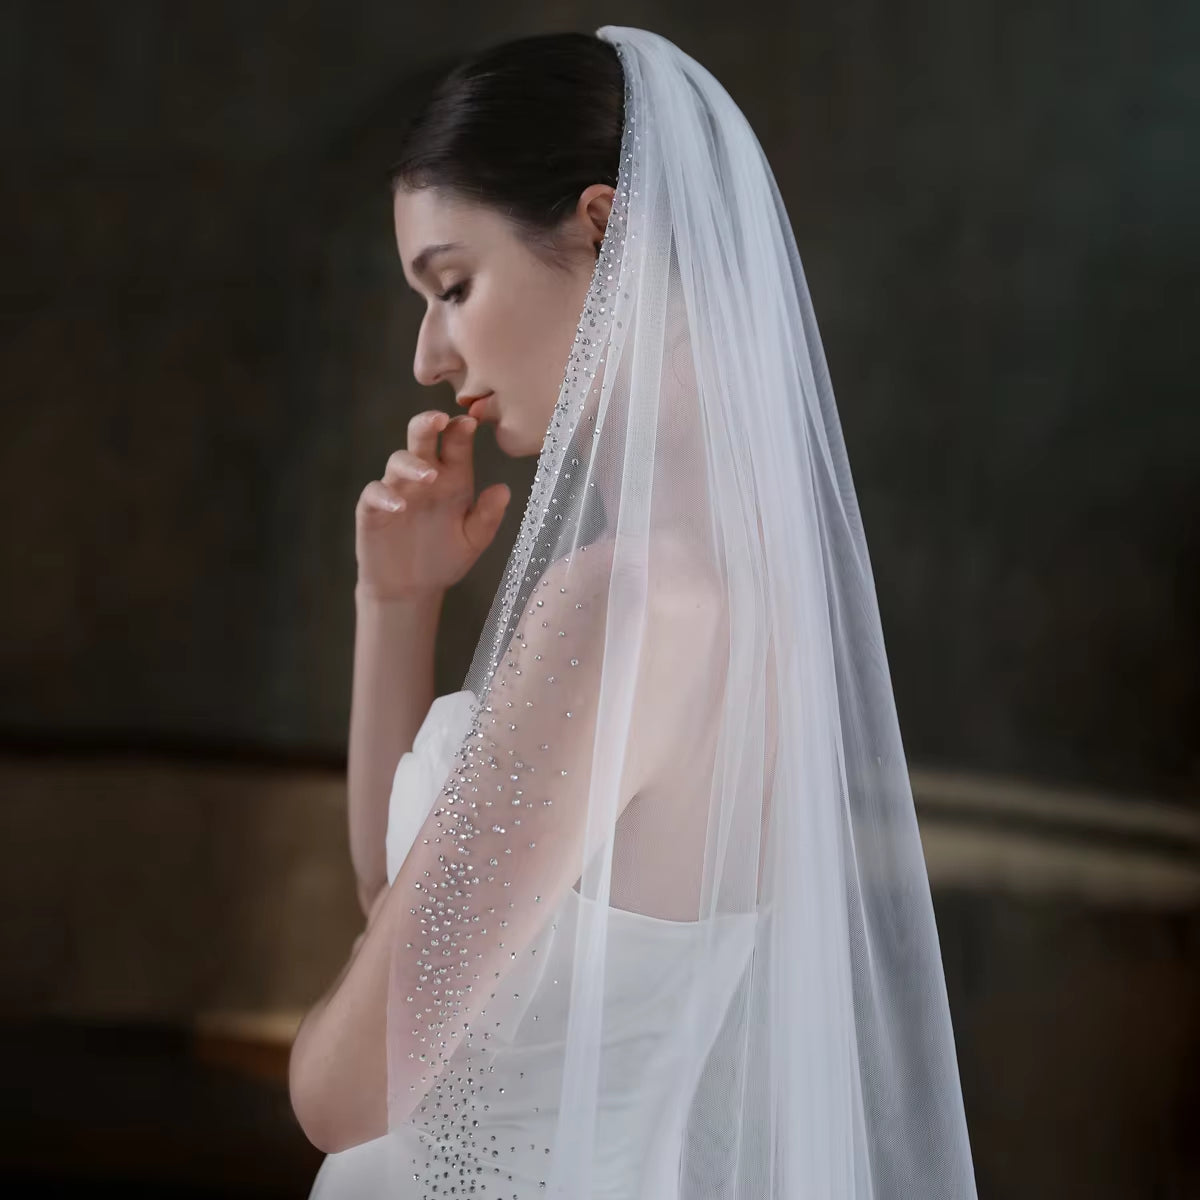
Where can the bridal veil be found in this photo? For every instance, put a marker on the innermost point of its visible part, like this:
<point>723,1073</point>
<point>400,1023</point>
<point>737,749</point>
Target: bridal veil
<point>684,710</point>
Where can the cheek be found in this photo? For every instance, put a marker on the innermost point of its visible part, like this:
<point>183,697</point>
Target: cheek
<point>526,342</point>
<point>552,322</point>
<point>500,337</point>
<point>520,339</point>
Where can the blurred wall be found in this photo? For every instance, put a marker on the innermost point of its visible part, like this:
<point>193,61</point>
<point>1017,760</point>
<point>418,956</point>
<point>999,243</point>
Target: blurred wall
<point>207,353</point>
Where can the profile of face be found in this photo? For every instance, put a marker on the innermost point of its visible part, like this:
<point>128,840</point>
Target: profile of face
<point>500,318</point>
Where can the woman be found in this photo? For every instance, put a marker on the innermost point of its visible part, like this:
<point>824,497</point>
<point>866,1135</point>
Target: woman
<point>653,919</point>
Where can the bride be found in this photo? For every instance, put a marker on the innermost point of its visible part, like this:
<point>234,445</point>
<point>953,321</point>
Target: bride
<point>647,913</point>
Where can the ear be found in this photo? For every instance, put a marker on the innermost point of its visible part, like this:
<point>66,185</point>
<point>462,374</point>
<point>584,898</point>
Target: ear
<point>592,210</point>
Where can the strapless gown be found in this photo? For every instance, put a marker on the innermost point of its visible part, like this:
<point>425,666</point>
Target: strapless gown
<point>649,1067</point>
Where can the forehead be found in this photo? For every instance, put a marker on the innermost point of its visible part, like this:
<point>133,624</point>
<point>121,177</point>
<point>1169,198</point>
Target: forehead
<point>428,217</point>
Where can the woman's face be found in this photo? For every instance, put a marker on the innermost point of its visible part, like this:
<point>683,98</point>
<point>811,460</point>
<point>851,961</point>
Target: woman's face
<point>499,320</point>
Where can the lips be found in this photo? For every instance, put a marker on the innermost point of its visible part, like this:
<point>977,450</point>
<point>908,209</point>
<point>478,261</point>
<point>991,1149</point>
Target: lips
<point>477,408</point>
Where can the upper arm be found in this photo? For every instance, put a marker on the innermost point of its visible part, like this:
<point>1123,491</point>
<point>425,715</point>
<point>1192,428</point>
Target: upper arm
<point>499,848</point>
<point>506,838</point>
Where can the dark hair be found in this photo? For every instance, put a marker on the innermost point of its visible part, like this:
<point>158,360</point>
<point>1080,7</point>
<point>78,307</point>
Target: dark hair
<point>524,128</point>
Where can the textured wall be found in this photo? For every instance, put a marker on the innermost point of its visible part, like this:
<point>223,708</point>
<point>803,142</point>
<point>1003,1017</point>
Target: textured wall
<point>207,352</point>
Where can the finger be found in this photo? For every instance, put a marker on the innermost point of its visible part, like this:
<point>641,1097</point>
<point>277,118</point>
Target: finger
<point>457,441</point>
<point>423,432</point>
<point>378,497</point>
<point>403,466</point>
<point>484,517</point>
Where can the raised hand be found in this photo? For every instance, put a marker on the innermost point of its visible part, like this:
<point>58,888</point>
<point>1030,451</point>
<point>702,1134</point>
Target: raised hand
<point>421,528</point>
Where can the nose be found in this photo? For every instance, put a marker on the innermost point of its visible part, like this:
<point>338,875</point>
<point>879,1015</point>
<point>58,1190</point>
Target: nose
<point>434,359</point>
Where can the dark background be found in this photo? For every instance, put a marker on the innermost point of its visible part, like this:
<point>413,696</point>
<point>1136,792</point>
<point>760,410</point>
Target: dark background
<point>206,352</point>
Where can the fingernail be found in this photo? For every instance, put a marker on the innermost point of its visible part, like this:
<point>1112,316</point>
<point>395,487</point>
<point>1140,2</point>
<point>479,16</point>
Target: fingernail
<point>392,504</point>
<point>428,473</point>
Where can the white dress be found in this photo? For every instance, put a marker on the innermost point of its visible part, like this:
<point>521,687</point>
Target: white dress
<point>647,1076</point>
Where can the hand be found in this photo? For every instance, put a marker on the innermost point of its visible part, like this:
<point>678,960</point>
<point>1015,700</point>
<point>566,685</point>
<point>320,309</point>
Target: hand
<point>418,534</point>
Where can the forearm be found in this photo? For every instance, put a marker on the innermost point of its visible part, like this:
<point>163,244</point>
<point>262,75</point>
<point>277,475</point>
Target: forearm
<point>338,1072</point>
<point>392,691</point>
<point>339,1094</point>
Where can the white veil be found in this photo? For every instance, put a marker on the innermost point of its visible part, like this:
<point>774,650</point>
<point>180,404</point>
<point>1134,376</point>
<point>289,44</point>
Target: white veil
<point>685,718</point>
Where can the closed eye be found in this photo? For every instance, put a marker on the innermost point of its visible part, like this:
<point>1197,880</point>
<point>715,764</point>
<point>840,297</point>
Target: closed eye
<point>455,294</point>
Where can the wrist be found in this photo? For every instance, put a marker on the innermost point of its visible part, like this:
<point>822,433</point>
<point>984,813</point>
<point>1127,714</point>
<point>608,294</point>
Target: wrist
<point>367,595</point>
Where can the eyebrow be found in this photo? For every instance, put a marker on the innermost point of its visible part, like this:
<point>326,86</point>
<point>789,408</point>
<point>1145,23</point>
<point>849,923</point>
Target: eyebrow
<point>422,260</point>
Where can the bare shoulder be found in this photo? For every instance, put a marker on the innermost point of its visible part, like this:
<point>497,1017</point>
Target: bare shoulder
<point>680,581</point>
<point>683,653</point>
<point>587,569</point>
<point>683,663</point>
<point>685,601</point>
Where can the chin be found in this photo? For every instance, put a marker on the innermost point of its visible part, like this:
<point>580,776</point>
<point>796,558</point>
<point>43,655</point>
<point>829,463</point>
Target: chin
<point>514,445</point>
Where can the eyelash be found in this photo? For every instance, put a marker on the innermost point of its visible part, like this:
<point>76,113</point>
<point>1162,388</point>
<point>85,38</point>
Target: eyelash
<point>458,289</point>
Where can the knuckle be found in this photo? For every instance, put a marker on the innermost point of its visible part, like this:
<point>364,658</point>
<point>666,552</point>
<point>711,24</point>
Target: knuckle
<point>406,465</point>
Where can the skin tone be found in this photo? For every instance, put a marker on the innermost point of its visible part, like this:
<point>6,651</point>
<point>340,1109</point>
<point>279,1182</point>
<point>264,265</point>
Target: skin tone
<point>500,318</point>
<point>419,529</point>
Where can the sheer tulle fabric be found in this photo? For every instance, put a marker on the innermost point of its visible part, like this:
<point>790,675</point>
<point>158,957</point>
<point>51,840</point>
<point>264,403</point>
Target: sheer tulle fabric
<point>671,927</point>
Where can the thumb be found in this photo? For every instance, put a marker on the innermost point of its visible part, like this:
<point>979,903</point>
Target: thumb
<point>484,516</point>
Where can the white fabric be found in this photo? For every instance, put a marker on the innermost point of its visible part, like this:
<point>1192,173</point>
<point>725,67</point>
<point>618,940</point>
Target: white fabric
<point>670,927</point>
<point>421,772</point>
<point>648,1065</point>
